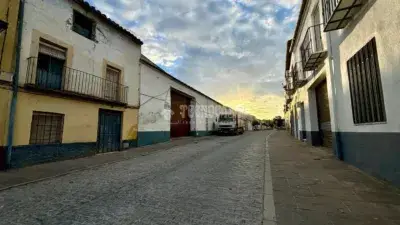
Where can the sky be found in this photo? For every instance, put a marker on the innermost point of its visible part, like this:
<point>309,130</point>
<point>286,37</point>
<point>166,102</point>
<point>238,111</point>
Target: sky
<point>231,50</point>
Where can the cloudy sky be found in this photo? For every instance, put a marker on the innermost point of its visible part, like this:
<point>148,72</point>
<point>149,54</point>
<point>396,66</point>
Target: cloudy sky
<point>231,50</point>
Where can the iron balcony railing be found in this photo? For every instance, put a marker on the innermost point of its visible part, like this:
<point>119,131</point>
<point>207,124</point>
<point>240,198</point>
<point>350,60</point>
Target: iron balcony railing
<point>329,7</point>
<point>289,86</point>
<point>338,13</point>
<point>74,82</point>
<point>301,75</point>
<point>312,49</point>
<point>285,108</point>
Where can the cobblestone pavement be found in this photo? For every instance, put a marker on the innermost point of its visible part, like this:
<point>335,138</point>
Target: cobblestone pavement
<point>311,187</point>
<point>218,181</point>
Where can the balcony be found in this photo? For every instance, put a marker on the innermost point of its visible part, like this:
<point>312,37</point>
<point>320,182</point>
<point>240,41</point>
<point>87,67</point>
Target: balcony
<point>3,26</point>
<point>338,13</point>
<point>285,108</point>
<point>313,52</point>
<point>74,83</point>
<point>300,75</point>
<point>288,99</point>
<point>289,87</point>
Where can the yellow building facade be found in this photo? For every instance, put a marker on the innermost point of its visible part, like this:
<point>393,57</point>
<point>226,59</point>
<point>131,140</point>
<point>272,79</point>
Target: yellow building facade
<point>77,93</point>
<point>8,41</point>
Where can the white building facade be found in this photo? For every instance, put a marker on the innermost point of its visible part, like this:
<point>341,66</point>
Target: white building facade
<point>348,101</point>
<point>170,108</point>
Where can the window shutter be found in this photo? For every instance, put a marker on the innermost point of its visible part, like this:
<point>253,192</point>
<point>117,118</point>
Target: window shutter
<point>52,51</point>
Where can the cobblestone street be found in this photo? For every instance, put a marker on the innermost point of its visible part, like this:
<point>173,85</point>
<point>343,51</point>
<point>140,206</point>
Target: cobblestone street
<point>216,181</point>
<point>263,177</point>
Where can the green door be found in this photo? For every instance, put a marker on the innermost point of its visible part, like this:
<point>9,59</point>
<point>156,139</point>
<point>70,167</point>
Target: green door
<point>109,131</point>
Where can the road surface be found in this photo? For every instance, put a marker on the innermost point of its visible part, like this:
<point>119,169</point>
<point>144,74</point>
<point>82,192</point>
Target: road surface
<point>214,181</point>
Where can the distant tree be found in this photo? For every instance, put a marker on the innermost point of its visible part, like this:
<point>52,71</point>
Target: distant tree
<point>269,123</point>
<point>255,122</point>
<point>278,122</point>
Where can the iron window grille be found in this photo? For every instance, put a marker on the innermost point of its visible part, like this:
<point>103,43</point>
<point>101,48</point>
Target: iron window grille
<point>365,86</point>
<point>46,128</point>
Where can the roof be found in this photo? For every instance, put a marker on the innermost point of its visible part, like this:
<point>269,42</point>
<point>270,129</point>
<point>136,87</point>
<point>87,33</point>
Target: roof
<point>296,31</point>
<point>152,64</point>
<point>85,5</point>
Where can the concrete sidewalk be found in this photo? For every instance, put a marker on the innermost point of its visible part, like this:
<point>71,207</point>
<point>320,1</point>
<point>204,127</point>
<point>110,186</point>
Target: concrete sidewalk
<point>312,187</point>
<point>17,177</point>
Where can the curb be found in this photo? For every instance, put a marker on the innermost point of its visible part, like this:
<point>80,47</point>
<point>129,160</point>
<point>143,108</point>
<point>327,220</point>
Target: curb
<point>268,208</point>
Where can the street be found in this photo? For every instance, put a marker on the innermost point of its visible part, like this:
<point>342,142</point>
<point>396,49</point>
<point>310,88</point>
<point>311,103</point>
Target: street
<point>214,181</point>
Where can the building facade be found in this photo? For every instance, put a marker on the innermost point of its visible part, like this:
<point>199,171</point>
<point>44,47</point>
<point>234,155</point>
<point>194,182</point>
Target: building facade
<point>9,10</point>
<point>72,82</point>
<point>170,108</point>
<point>78,84</point>
<point>348,99</point>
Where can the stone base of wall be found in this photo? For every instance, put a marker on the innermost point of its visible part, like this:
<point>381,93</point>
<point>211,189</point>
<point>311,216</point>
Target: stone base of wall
<point>303,134</point>
<point>127,144</point>
<point>152,137</point>
<point>200,133</point>
<point>3,153</point>
<point>28,155</point>
<point>313,138</point>
<point>375,153</point>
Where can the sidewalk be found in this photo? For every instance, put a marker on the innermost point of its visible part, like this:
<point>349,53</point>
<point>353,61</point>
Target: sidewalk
<point>312,187</point>
<point>35,173</point>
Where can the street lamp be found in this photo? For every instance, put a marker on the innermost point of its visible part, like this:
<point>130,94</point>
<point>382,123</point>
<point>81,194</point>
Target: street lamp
<point>3,26</point>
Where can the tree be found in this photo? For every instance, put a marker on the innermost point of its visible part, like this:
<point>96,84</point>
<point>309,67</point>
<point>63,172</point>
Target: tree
<point>255,123</point>
<point>278,122</point>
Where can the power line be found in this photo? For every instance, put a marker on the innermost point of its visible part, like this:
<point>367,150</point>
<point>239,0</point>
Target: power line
<point>155,97</point>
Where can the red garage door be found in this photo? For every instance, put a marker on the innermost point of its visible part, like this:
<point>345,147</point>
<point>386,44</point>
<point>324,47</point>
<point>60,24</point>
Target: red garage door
<point>180,121</point>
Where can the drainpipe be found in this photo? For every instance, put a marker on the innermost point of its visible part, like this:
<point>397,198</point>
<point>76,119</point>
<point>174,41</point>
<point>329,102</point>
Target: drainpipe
<point>338,145</point>
<point>11,118</point>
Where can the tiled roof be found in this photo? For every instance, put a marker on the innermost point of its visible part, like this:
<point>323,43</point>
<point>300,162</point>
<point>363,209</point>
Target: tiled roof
<point>109,21</point>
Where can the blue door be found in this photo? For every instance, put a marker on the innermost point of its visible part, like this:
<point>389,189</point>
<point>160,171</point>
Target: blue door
<point>109,131</point>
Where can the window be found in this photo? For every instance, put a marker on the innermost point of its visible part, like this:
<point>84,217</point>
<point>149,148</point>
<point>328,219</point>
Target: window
<point>83,25</point>
<point>46,128</point>
<point>365,86</point>
<point>111,88</point>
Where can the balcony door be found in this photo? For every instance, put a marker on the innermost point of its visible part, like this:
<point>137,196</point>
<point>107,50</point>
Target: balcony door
<point>50,67</point>
<point>111,88</point>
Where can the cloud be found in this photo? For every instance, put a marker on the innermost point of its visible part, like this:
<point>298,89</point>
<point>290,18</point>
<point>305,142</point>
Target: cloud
<point>215,45</point>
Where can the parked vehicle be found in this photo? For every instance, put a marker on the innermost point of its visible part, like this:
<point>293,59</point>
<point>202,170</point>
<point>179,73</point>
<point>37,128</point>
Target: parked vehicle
<point>232,123</point>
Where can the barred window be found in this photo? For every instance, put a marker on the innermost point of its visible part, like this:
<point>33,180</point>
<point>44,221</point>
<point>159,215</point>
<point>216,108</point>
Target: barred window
<point>46,128</point>
<point>365,86</point>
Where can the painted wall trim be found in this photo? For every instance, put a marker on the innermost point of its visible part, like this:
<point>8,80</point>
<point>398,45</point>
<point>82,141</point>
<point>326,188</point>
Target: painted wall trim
<point>152,137</point>
<point>28,155</point>
<point>127,144</point>
<point>375,153</point>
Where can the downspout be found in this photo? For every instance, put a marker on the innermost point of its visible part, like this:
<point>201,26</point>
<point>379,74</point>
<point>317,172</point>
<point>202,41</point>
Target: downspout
<point>13,104</point>
<point>338,145</point>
